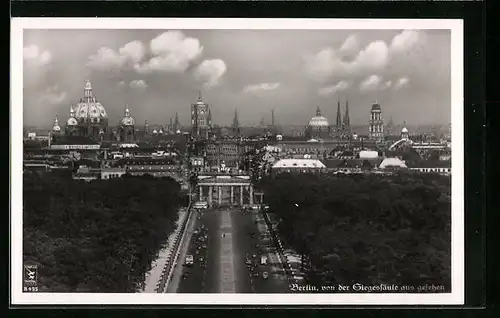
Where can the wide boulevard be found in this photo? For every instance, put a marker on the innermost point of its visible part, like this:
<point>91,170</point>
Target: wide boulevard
<point>227,245</point>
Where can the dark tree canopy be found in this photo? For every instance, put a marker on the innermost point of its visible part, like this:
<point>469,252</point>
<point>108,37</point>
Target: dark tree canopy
<point>367,228</point>
<point>96,237</point>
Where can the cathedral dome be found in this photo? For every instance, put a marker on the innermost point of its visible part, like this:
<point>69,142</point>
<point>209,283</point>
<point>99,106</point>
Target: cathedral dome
<point>404,130</point>
<point>127,120</point>
<point>318,120</point>
<point>56,127</point>
<point>89,109</point>
<point>71,121</point>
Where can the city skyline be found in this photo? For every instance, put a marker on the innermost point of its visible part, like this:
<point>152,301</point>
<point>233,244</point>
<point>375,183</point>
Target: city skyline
<point>158,73</point>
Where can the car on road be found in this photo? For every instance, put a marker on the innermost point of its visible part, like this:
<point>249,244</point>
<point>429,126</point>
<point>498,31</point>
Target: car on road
<point>189,260</point>
<point>263,260</point>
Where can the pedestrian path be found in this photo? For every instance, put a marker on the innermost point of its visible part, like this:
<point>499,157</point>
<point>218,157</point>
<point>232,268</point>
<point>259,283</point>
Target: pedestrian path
<point>158,265</point>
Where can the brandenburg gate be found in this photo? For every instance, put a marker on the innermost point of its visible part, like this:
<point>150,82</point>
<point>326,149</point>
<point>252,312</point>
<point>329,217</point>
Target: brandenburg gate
<point>212,187</point>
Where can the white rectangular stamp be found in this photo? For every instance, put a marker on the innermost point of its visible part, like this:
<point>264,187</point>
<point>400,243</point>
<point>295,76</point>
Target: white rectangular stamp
<point>237,161</point>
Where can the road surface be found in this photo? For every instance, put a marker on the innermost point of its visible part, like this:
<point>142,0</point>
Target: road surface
<point>221,241</point>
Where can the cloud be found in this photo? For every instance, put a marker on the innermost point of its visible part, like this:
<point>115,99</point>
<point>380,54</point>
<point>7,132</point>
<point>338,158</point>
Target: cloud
<point>329,61</point>
<point>402,82</point>
<point>138,84</point>
<point>122,84</point>
<point>172,52</point>
<point>330,90</point>
<point>33,53</point>
<point>210,71</point>
<point>350,45</point>
<point>260,88</point>
<point>405,40</point>
<point>53,95</point>
<point>371,83</point>
<point>107,59</point>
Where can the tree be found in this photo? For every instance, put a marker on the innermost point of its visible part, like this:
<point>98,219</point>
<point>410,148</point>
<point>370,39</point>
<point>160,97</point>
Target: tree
<point>366,228</point>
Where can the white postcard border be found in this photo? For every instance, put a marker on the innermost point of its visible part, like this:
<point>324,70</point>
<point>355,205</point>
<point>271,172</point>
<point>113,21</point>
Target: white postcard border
<point>457,295</point>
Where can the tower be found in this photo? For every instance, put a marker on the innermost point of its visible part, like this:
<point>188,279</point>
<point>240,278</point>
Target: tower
<point>404,132</point>
<point>177,125</point>
<point>171,127</point>
<point>146,127</point>
<point>338,122</point>
<point>127,129</point>
<point>200,123</point>
<point>376,123</point>
<point>56,129</point>
<point>236,124</point>
<point>272,117</point>
<point>390,126</point>
<point>346,122</point>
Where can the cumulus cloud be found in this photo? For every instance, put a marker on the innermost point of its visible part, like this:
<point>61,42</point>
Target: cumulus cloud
<point>371,83</point>
<point>405,40</point>
<point>329,61</point>
<point>122,84</point>
<point>138,84</point>
<point>260,88</point>
<point>402,82</point>
<point>53,95</point>
<point>172,52</point>
<point>32,53</point>
<point>350,45</point>
<point>330,90</point>
<point>107,59</point>
<point>211,72</point>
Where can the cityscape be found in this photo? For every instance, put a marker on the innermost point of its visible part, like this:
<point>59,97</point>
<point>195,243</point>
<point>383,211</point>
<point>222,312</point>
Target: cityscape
<point>152,167</point>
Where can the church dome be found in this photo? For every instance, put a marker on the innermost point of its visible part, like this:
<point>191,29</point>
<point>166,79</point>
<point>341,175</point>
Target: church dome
<point>56,127</point>
<point>127,120</point>
<point>404,130</point>
<point>318,120</point>
<point>71,121</point>
<point>89,108</point>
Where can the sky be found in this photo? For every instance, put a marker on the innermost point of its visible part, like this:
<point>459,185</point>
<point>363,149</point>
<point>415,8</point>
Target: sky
<point>159,72</point>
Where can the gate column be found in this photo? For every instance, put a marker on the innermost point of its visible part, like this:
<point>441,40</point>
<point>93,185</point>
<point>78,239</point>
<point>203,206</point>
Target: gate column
<point>219,189</point>
<point>241,195</point>
<point>232,195</point>
<point>210,190</point>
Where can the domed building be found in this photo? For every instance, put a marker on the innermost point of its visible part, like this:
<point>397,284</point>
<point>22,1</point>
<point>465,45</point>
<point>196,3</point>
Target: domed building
<point>126,131</point>
<point>91,117</point>
<point>318,127</point>
<point>56,129</point>
<point>71,123</point>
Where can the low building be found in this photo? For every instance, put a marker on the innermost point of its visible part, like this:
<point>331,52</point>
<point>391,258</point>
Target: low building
<point>87,174</point>
<point>298,166</point>
<point>110,173</point>
<point>155,167</point>
<point>392,163</point>
<point>432,166</point>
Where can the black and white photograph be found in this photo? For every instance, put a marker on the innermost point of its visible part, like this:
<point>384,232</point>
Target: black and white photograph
<point>237,161</point>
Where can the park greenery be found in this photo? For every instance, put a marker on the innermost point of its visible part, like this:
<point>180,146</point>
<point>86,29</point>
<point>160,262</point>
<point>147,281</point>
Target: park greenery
<point>366,229</point>
<point>100,236</point>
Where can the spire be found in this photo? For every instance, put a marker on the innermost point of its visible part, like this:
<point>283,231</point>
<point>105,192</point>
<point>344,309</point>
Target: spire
<point>127,111</point>
<point>209,118</point>
<point>236,123</point>
<point>176,122</point>
<point>171,125</point>
<point>56,121</point>
<point>318,111</point>
<point>339,116</point>
<point>346,115</point>
<point>199,95</point>
<point>71,111</point>
<point>272,117</point>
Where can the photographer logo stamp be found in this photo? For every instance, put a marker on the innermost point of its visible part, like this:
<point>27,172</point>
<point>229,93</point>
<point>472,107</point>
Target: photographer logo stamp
<point>30,278</point>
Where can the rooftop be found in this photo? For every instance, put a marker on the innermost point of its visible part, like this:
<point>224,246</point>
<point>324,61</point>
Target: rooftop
<point>299,163</point>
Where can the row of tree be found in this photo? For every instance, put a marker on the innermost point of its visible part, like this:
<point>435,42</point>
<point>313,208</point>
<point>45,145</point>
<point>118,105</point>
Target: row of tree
<point>96,237</point>
<point>366,228</point>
